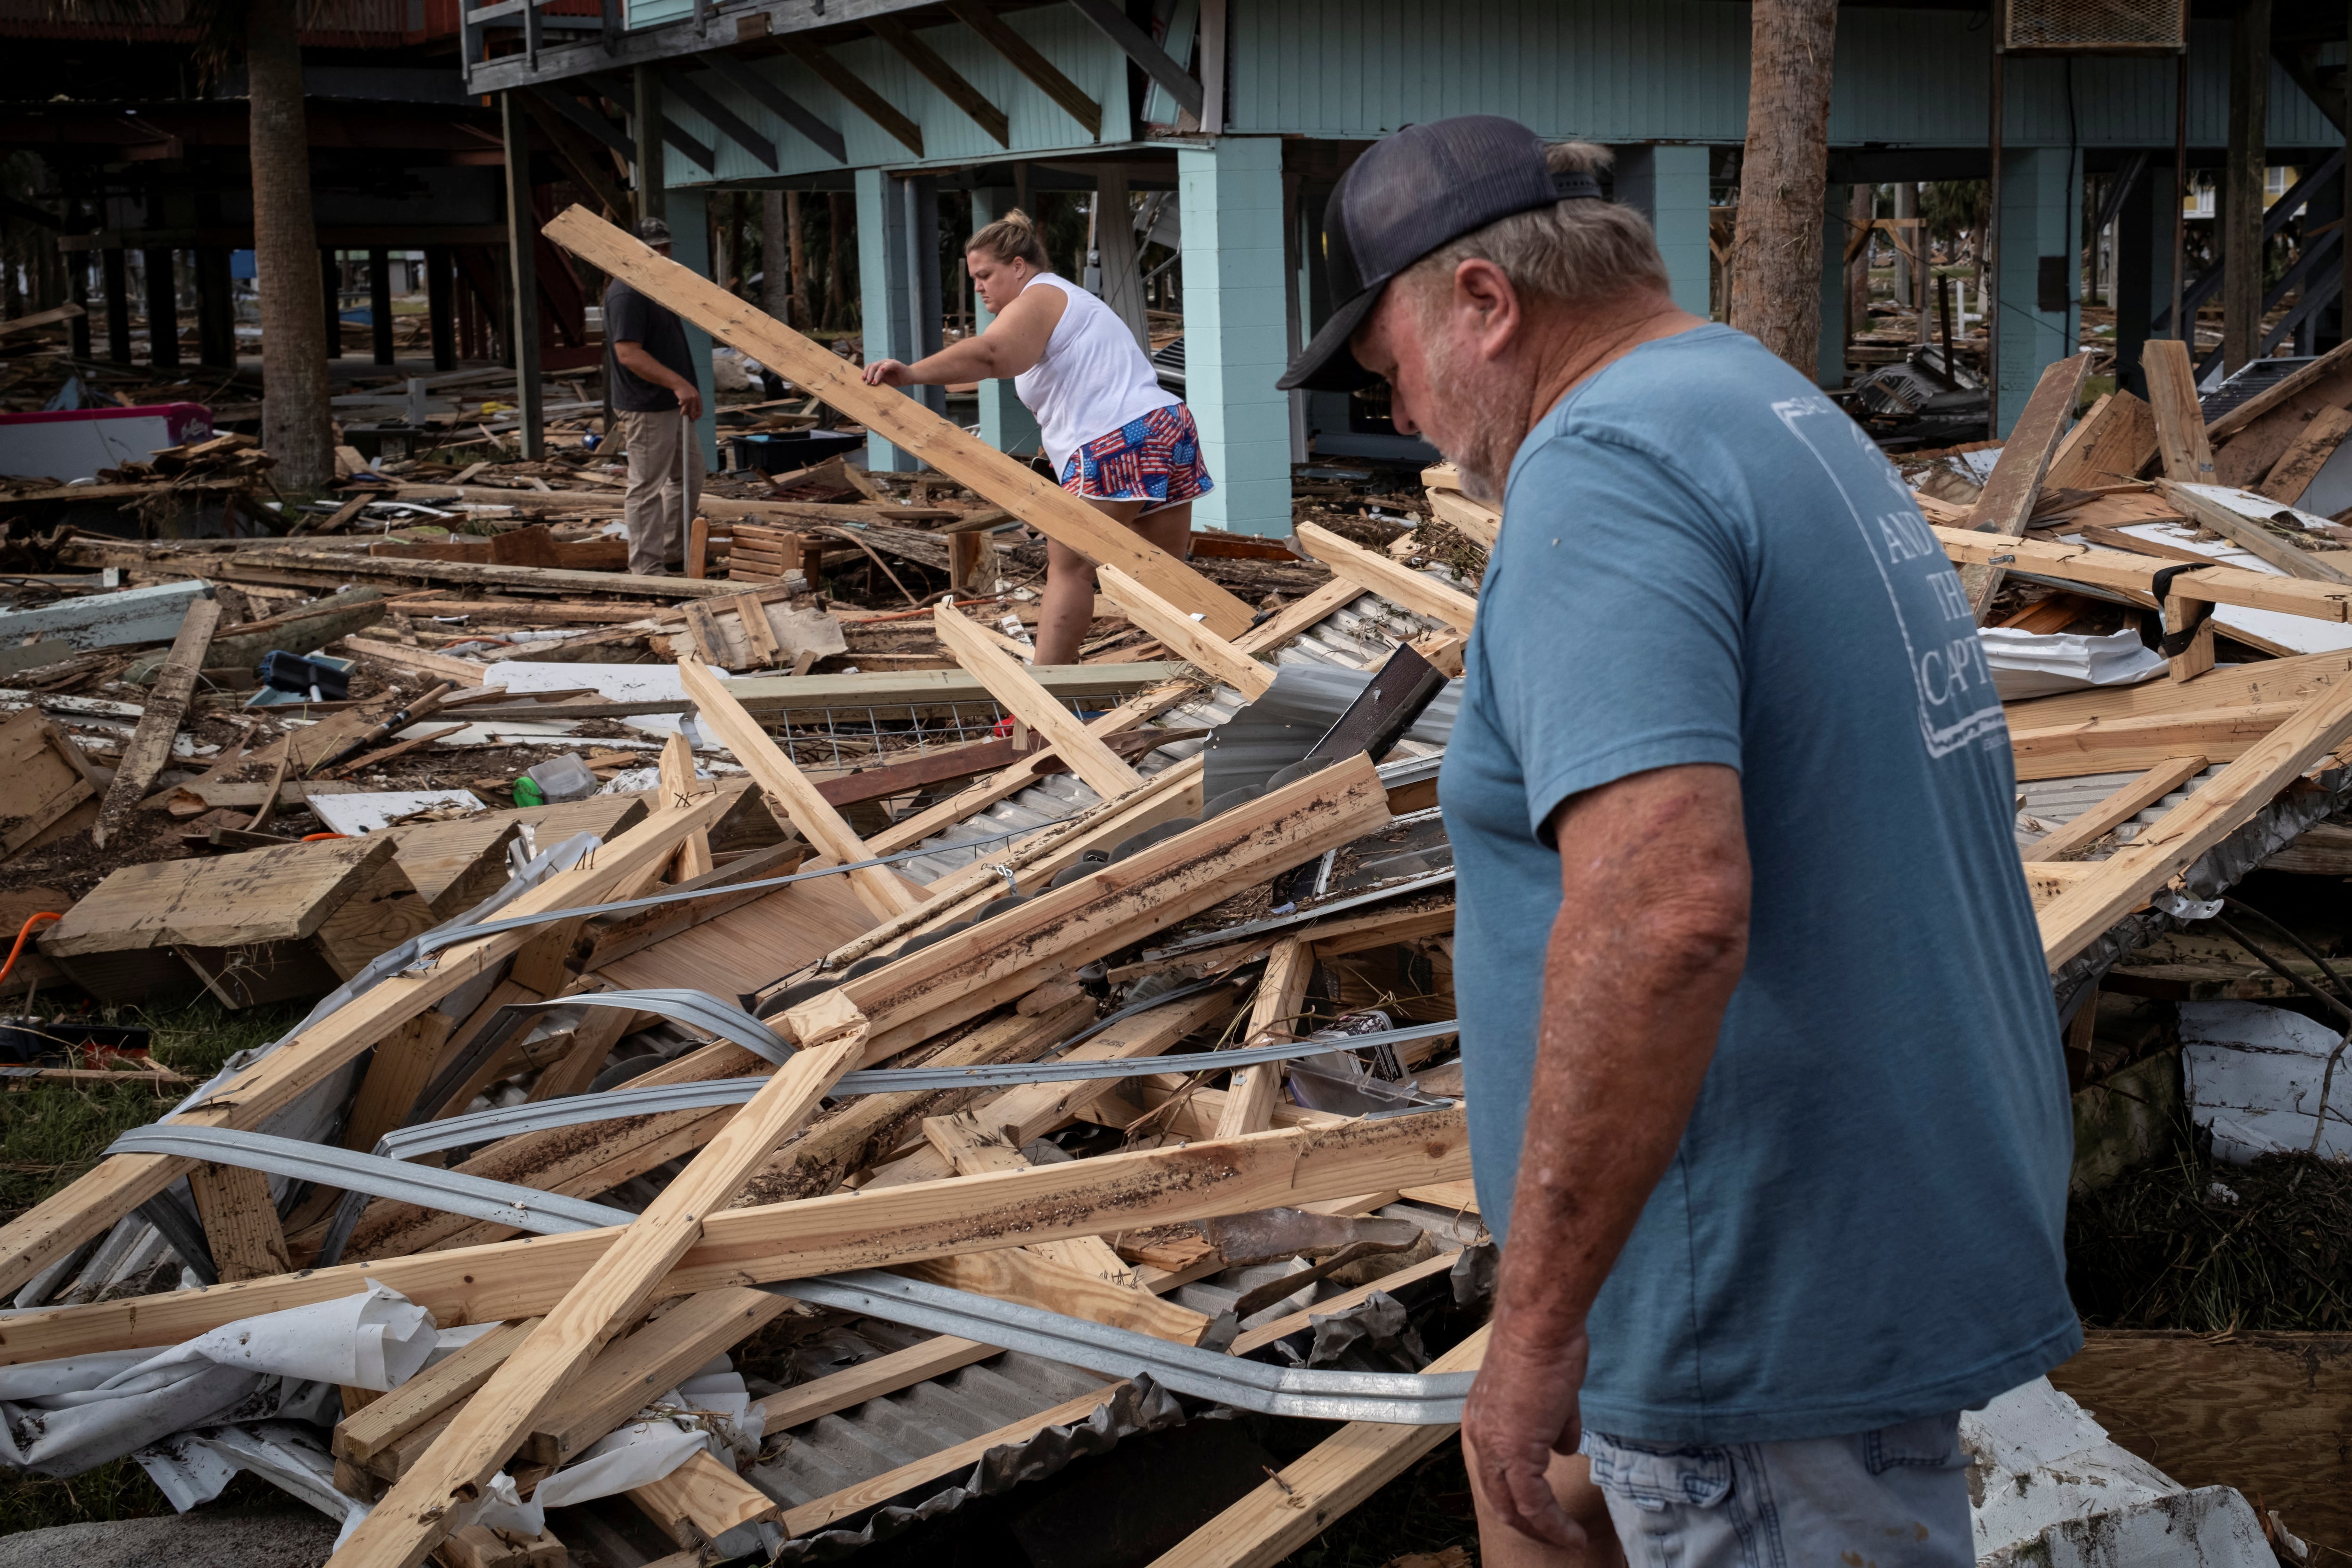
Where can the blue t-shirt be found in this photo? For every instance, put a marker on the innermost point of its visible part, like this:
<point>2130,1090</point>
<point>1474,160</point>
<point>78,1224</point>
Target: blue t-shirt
<point>1702,561</point>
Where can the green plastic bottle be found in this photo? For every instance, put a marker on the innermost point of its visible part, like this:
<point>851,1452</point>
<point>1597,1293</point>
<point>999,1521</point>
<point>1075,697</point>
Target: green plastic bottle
<point>526,793</point>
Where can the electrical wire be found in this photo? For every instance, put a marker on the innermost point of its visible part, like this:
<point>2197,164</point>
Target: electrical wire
<point>17,951</point>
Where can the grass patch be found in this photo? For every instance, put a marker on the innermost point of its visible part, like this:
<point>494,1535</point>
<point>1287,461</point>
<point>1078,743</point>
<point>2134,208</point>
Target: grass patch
<point>50,1135</point>
<point>2185,1242</point>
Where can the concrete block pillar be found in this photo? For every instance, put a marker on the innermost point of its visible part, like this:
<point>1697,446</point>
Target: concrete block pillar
<point>689,215</point>
<point>1005,422</point>
<point>1668,186</point>
<point>2143,269</point>
<point>1835,199</point>
<point>2038,273</point>
<point>1235,327</point>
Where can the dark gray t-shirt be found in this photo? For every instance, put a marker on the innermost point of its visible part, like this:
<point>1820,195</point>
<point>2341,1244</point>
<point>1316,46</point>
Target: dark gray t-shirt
<point>1702,560</point>
<point>631,318</point>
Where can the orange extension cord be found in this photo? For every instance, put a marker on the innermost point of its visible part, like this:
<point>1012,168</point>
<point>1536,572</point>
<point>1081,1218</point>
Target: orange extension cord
<point>22,936</point>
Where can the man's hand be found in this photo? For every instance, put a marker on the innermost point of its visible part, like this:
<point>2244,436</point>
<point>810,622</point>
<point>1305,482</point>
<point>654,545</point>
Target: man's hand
<point>635,359</point>
<point>690,399</point>
<point>888,373</point>
<point>1521,1411</point>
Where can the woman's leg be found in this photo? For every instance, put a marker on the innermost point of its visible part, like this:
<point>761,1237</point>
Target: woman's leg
<point>1069,602</point>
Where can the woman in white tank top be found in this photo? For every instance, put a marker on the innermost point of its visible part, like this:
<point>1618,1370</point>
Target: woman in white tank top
<point>1114,435</point>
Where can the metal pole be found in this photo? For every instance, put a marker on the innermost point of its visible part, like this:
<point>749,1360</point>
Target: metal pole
<point>522,239</point>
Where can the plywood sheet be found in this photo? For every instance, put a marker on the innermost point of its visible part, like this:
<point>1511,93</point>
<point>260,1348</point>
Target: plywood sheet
<point>748,948</point>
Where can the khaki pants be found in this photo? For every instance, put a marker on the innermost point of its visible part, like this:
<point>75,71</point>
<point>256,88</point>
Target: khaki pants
<point>656,535</point>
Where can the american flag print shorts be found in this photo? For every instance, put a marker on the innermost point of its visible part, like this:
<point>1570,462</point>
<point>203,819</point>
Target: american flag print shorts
<point>1154,459</point>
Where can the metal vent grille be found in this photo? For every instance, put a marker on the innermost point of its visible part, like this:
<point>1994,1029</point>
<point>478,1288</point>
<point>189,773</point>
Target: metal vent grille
<point>2094,26</point>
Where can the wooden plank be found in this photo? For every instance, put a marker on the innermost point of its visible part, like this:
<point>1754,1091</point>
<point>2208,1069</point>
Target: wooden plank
<point>2007,500</point>
<point>381,914</point>
<point>1007,956</point>
<point>2253,537</point>
<point>973,1149</point>
<point>1314,1492</point>
<point>51,778</point>
<point>898,419</point>
<point>1025,1276</point>
<point>2131,574</point>
<point>1393,580</point>
<point>397,1073</point>
<point>1473,519</point>
<point>392,1416</point>
<point>408,1522</point>
<point>65,1220</point>
<point>820,1235</point>
<point>789,789</point>
<point>2182,440</point>
<point>1299,615</point>
<point>759,637</point>
<point>2150,740</point>
<point>2172,845</point>
<point>2286,389</point>
<point>2115,441</point>
<point>1274,1017</point>
<point>1185,637</point>
<point>634,1371</point>
<point>2119,807</point>
<point>2265,1413</point>
<point>679,786</point>
<point>326,568</point>
<point>1104,772</point>
<point>702,1499</point>
<point>167,702</point>
<point>240,1221</point>
<point>282,894</point>
<point>854,1385</point>
<point>2296,680</point>
<point>2302,462</point>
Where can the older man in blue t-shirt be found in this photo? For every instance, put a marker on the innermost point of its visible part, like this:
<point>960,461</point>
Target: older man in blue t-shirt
<point>1765,1087</point>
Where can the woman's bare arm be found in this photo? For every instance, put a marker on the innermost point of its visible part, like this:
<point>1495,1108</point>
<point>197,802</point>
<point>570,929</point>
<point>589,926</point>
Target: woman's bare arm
<point>1014,342</point>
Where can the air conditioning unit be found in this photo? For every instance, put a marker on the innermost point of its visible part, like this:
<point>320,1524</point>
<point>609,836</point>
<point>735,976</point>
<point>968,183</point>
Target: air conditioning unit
<point>2094,26</point>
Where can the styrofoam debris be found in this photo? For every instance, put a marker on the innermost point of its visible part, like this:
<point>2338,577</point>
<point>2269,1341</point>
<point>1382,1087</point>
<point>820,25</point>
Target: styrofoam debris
<point>2253,1075</point>
<point>2034,663</point>
<point>2051,1489</point>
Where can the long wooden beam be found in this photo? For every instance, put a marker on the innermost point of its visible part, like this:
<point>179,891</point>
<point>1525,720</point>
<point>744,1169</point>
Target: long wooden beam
<point>412,1518</point>
<point>1185,637</point>
<point>520,1279</point>
<point>2136,574</point>
<point>2149,741</point>
<point>898,419</point>
<point>1023,55</point>
<point>66,1219</point>
<point>2076,917</point>
<point>1106,772</point>
<point>1392,579</point>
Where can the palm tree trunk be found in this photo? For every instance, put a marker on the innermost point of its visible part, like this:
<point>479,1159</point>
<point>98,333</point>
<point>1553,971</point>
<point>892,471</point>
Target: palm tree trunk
<point>1776,253</point>
<point>295,423</point>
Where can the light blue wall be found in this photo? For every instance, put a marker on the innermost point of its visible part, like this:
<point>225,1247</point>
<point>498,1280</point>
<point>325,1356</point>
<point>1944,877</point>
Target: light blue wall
<point>882,280</point>
<point>1235,328</point>
<point>2041,201</point>
<point>689,226</point>
<point>1005,422</point>
<point>1668,185</point>
<point>1618,71</point>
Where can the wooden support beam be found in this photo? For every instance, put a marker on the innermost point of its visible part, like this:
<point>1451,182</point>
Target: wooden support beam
<point>944,76</point>
<point>631,1372</point>
<point>701,1500</point>
<point>723,119</point>
<point>2076,918</point>
<point>2136,574</point>
<point>361,1437</point>
<point>1185,637</point>
<point>2115,441</point>
<point>898,419</point>
<point>1475,520</point>
<point>1138,45</point>
<point>877,886</point>
<point>2182,448</point>
<point>150,745</point>
<point>66,1218</point>
<point>1392,579</point>
<point>1087,1289</point>
<point>1104,772</point>
<point>1249,1103</point>
<point>2145,740</point>
<point>2006,502</point>
<point>820,1235</point>
<point>741,76</point>
<point>679,787</point>
<point>1315,1492</point>
<point>854,1385</point>
<point>860,96</point>
<point>2117,809</point>
<point>240,1221</point>
<point>1299,615</point>
<point>2292,474</point>
<point>2253,537</point>
<point>397,1073</point>
<point>973,1149</point>
<point>1023,55</point>
<point>409,1521</point>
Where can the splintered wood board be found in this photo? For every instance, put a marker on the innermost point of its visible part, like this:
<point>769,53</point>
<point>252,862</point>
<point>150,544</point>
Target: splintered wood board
<point>225,901</point>
<point>439,856</point>
<point>45,781</point>
<point>746,948</point>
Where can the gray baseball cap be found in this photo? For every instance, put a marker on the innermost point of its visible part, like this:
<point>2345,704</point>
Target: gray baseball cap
<point>1407,195</point>
<point>652,231</point>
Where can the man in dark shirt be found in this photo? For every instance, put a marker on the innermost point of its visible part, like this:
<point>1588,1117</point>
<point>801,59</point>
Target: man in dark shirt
<point>654,392</point>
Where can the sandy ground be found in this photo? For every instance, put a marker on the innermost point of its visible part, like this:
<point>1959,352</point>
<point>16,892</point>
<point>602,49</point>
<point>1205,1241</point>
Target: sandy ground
<point>182,1540</point>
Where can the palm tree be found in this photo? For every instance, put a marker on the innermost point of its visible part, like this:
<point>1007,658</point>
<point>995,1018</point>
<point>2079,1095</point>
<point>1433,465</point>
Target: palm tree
<point>297,425</point>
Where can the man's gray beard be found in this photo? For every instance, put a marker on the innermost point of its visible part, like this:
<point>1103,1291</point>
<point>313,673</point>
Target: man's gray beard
<point>1492,410</point>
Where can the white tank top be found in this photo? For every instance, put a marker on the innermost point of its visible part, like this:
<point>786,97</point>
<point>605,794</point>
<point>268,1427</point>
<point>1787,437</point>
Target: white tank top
<point>1093,378</point>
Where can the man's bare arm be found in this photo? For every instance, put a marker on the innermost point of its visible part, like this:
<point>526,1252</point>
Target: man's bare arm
<point>637,362</point>
<point>1648,946</point>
